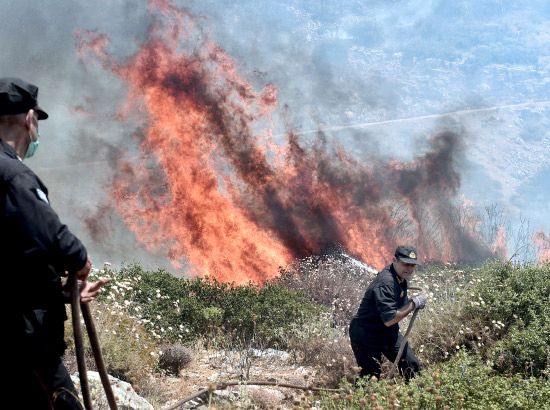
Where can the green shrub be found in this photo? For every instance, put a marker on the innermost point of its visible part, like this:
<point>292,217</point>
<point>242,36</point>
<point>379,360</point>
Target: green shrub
<point>500,311</point>
<point>463,382</point>
<point>524,349</point>
<point>505,292</point>
<point>183,310</point>
<point>514,302</point>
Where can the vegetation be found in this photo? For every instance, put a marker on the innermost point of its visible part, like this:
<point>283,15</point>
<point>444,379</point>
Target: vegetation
<point>484,337</point>
<point>181,310</point>
<point>463,382</point>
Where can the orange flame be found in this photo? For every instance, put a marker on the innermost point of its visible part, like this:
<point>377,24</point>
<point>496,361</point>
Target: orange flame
<point>212,187</point>
<point>542,241</point>
<point>498,247</point>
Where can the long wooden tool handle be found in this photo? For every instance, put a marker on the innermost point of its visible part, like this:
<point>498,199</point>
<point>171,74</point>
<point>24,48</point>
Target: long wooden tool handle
<point>403,344</point>
<point>96,349</point>
<point>79,346</point>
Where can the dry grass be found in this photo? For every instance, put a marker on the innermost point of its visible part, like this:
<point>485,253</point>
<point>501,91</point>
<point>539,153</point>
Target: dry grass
<point>129,351</point>
<point>326,348</point>
<point>335,281</point>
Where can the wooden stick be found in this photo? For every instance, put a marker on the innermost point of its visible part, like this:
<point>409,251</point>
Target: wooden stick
<point>404,341</point>
<point>402,347</point>
<point>223,385</point>
<point>96,350</point>
<point>79,346</point>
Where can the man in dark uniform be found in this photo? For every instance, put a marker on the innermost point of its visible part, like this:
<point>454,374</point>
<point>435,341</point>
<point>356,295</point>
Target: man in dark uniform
<point>374,330</point>
<point>36,250</point>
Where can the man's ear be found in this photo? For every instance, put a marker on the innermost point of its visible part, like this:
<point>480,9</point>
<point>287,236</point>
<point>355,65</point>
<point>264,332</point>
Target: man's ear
<point>30,120</point>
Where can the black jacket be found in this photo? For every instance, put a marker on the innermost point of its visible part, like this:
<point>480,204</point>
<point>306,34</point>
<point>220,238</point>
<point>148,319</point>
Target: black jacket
<point>384,296</point>
<point>35,250</point>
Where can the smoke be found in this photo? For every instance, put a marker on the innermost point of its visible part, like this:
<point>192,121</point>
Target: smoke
<point>76,159</point>
<point>229,82</point>
<point>219,192</point>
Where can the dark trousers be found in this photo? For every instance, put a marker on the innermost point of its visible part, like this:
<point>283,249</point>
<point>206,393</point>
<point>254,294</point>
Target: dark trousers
<point>43,384</point>
<point>370,344</point>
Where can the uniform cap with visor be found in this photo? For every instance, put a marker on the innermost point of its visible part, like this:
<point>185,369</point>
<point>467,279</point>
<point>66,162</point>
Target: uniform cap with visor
<point>407,254</point>
<point>18,97</point>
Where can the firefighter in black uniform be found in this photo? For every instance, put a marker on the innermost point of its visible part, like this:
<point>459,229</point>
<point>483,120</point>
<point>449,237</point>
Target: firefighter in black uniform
<point>374,330</point>
<point>36,250</point>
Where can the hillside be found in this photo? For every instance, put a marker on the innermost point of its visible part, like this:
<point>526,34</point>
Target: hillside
<point>484,338</point>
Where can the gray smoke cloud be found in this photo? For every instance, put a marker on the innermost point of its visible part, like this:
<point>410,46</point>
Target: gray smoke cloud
<point>77,155</point>
<point>332,65</point>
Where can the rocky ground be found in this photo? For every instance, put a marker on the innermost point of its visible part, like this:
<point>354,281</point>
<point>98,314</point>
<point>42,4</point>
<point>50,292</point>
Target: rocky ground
<point>230,374</point>
<point>210,369</point>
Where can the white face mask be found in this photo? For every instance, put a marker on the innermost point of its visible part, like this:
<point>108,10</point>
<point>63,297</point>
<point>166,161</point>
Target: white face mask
<point>33,146</point>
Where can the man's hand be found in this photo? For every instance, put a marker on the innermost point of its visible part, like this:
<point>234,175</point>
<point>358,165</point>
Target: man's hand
<point>89,291</point>
<point>83,273</point>
<point>420,300</point>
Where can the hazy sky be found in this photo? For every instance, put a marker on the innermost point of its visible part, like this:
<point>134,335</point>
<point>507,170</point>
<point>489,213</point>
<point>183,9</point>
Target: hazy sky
<point>377,76</point>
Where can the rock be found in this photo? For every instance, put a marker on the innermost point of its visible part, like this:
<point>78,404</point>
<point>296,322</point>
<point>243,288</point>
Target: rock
<point>270,353</point>
<point>125,396</point>
<point>265,397</point>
